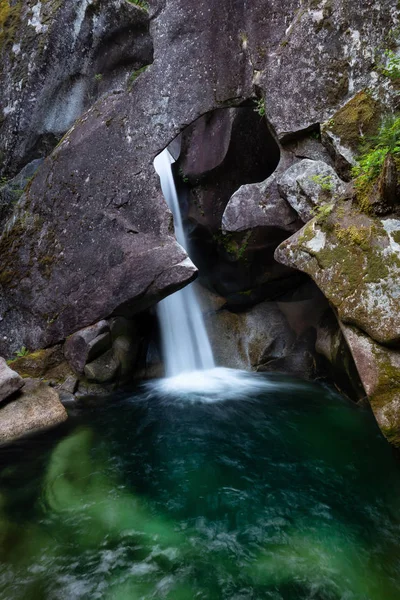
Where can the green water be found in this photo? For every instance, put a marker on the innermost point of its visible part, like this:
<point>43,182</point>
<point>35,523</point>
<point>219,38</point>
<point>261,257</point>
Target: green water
<point>285,491</point>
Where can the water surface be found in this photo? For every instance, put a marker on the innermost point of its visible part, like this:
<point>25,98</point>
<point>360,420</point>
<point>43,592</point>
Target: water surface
<point>243,488</point>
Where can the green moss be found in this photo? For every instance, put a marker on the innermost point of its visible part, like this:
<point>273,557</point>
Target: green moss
<point>337,86</point>
<point>140,4</point>
<point>134,75</point>
<point>361,114</point>
<point>10,17</point>
<point>45,262</point>
<point>351,269</point>
<point>371,161</point>
<point>235,247</point>
<point>353,235</point>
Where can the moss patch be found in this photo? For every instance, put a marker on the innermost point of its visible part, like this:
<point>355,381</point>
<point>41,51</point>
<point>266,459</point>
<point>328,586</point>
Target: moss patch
<point>38,363</point>
<point>362,114</point>
<point>10,17</point>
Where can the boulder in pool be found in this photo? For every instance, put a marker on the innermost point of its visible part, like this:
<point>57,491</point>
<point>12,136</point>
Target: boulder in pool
<point>36,408</point>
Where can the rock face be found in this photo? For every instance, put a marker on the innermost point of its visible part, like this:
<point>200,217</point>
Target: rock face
<point>10,381</point>
<point>309,184</point>
<point>219,152</point>
<point>355,261</point>
<point>379,369</point>
<point>64,55</point>
<point>259,205</point>
<point>58,274</point>
<point>298,335</point>
<point>36,408</point>
<point>12,191</point>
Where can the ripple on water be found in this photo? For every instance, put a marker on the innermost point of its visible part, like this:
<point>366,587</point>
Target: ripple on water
<point>218,486</point>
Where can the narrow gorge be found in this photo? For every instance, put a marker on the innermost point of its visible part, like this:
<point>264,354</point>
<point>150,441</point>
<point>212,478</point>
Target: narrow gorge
<point>199,299</point>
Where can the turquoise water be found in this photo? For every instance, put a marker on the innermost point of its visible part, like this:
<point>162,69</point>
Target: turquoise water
<point>272,488</point>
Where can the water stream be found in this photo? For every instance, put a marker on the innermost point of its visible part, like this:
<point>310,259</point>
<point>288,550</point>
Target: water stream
<point>211,484</point>
<point>186,347</point>
<point>269,489</point>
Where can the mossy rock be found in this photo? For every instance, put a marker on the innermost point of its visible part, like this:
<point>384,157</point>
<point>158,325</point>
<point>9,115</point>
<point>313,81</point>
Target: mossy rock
<point>361,115</point>
<point>10,16</point>
<point>379,371</point>
<point>355,261</point>
<point>40,363</point>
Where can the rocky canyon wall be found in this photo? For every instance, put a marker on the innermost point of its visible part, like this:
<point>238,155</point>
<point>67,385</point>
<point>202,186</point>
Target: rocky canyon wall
<point>291,87</point>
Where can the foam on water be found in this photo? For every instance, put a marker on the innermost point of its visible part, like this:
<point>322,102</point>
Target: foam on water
<point>216,385</point>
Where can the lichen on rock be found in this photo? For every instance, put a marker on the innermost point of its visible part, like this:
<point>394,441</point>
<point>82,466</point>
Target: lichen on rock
<point>355,260</point>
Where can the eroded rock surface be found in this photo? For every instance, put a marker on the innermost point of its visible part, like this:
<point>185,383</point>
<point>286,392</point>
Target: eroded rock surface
<point>57,58</point>
<point>35,408</point>
<point>355,260</point>
<point>259,205</point>
<point>92,235</point>
<point>308,185</point>
<point>379,369</point>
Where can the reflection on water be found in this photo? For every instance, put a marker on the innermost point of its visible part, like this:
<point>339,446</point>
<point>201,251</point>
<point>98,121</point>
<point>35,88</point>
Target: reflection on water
<point>263,488</point>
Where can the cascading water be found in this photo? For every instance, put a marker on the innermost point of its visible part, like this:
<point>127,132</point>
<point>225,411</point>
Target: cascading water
<point>184,338</point>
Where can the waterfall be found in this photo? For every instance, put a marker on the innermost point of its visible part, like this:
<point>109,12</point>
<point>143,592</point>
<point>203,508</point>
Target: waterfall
<point>184,338</point>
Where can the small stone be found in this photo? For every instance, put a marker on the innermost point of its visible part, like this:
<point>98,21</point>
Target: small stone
<point>10,381</point>
<point>126,351</point>
<point>99,346</point>
<point>66,398</point>
<point>78,346</point>
<point>104,369</point>
<point>69,385</point>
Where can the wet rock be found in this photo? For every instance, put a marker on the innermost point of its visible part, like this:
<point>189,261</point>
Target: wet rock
<point>11,191</point>
<point>379,370</point>
<point>271,336</point>
<point>69,385</point>
<point>87,344</point>
<point>248,340</point>
<point>104,369</point>
<point>125,350</point>
<point>58,275</point>
<point>308,185</point>
<point>89,389</point>
<point>354,260</point>
<point>67,398</point>
<point>35,408</point>
<point>340,365</point>
<point>10,381</point>
<point>65,55</point>
<point>121,326</point>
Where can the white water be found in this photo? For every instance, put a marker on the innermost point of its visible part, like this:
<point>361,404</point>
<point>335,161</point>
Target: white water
<point>213,386</point>
<point>186,347</point>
